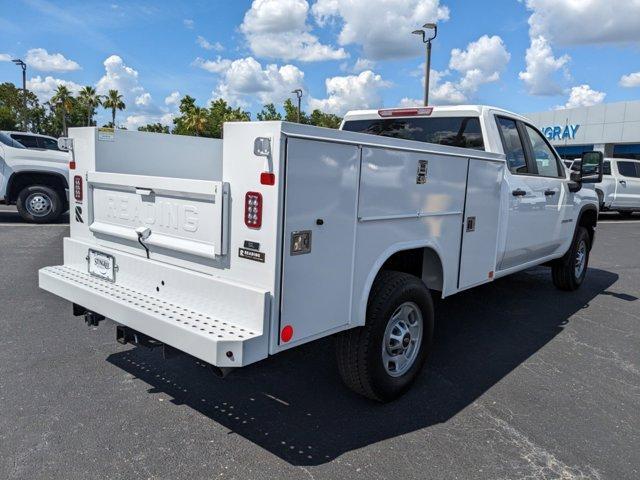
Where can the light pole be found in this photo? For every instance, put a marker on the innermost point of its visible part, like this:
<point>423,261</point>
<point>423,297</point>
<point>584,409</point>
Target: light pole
<point>427,66</point>
<point>298,93</point>
<point>23,65</point>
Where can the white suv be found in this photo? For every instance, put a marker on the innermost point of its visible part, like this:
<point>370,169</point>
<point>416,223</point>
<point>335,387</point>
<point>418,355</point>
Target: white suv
<point>620,187</point>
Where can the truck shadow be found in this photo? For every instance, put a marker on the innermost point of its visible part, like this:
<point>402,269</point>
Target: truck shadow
<point>10,215</point>
<point>295,406</point>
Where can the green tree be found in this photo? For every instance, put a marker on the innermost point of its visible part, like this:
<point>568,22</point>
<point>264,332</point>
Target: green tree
<point>113,101</point>
<point>327,120</point>
<point>220,112</point>
<point>197,121</point>
<point>291,113</point>
<point>154,127</point>
<point>11,110</point>
<point>187,104</point>
<point>89,100</point>
<point>62,102</point>
<point>269,112</point>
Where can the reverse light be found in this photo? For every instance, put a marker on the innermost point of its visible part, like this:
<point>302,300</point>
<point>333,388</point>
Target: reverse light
<point>253,209</point>
<point>405,112</point>
<point>77,188</point>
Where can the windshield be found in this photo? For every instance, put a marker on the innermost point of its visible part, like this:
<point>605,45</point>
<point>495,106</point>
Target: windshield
<point>10,142</point>
<point>462,132</point>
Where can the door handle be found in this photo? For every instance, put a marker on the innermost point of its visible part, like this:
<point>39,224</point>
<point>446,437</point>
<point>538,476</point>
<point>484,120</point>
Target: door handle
<point>623,182</point>
<point>145,192</point>
<point>518,193</point>
<point>549,192</point>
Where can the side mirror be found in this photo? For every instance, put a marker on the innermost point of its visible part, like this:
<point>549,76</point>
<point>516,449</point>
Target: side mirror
<point>65,143</point>
<point>591,167</point>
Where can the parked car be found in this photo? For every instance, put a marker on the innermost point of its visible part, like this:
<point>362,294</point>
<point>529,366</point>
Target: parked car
<point>283,233</point>
<point>35,180</point>
<point>620,187</point>
<point>35,141</point>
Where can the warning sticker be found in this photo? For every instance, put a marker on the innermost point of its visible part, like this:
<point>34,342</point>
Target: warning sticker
<point>106,134</point>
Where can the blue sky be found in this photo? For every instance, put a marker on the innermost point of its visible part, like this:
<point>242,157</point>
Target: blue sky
<point>524,55</point>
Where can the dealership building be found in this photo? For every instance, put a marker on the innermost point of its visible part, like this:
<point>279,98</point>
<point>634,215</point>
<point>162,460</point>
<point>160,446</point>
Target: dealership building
<point>612,128</point>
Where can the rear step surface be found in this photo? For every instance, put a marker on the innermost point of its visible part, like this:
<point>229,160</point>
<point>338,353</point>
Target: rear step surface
<point>206,335</point>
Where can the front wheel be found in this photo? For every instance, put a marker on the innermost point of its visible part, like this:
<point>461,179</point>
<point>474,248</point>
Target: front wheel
<point>383,358</point>
<point>569,271</point>
<point>39,204</point>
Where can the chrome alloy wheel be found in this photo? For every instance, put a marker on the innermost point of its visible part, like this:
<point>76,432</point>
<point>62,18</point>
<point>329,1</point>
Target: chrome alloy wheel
<point>38,204</point>
<point>402,339</point>
<point>581,258</point>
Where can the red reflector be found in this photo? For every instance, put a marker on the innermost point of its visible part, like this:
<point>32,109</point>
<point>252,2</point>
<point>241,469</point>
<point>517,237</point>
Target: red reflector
<point>253,209</point>
<point>405,112</point>
<point>267,178</point>
<point>77,188</point>
<point>72,165</point>
<point>287,333</point>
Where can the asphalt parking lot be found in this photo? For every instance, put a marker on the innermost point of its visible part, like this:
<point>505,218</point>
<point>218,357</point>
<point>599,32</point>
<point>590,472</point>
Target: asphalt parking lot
<point>525,382</point>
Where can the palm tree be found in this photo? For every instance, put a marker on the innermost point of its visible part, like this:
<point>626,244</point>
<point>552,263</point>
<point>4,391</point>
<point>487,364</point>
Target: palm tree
<point>90,100</point>
<point>113,100</point>
<point>197,120</point>
<point>62,100</point>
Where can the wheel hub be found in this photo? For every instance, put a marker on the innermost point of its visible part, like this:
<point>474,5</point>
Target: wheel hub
<point>402,339</point>
<point>38,204</point>
<point>581,258</point>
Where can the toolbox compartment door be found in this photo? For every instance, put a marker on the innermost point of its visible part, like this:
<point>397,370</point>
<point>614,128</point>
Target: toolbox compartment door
<point>176,220</point>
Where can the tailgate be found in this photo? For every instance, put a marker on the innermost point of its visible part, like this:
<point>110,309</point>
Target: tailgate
<point>170,219</point>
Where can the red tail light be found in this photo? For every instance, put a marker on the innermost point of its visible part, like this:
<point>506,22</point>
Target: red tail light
<point>405,112</point>
<point>72,165</point>
<point>77,188</point>
<point>253,210</point>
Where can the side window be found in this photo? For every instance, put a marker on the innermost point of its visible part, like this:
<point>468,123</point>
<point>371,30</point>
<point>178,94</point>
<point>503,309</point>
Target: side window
<point>628,169</point>
<point>28,141</point>
<point>606,168</point>
<point>513,148</point>
<point>48,143</point>
<point>542,154</point>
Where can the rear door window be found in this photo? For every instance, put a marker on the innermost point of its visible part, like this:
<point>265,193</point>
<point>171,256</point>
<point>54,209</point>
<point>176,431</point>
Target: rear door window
<point>28,141</point>
<point>48,143</point>
<point>462,132</point>
<point>629,169</point>
<point>512,144</point>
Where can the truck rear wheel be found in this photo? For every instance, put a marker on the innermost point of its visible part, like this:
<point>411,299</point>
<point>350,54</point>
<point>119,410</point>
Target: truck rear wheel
<point>383,358</point>
<point>39,204</point>
<point>569,271</point>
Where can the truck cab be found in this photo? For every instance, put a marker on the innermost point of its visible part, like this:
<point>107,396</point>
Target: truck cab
<point>35,179</point>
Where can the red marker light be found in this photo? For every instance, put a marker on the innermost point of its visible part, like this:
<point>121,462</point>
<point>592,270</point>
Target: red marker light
<point>287,333</point>
<point>72,165</point>
<point>267,178</point>
<point>405,112</point>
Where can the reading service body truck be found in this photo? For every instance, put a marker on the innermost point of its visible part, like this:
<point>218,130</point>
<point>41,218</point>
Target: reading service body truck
<point>236,249</point>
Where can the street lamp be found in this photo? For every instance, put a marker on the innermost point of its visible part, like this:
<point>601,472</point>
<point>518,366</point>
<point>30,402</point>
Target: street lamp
<point>23,65</point>
<point>427,27</point>
<point>298,93</point>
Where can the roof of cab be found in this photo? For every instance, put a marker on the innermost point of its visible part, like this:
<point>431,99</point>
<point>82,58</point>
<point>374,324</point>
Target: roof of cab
<point>448,110</point>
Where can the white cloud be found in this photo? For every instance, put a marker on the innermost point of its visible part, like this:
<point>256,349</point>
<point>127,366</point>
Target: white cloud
<point>207,45</point>
<point>481,62</point>
<point>363,64</point>
<point>574,22</point>
<point>5,57</point>
<point>351,92</point>
<point>245,79</point>
<point>279,29</point>
<point>173,98</point>
<point>40,59</point>
<point>44,88</point>
<point>143,100</point>
<point>540,76</point>
<point>382,28</point>
<point>583,96</point>
<point>121,77</point>
<point>188,23</point>
<point>631,80</point>
<point>218,65</point>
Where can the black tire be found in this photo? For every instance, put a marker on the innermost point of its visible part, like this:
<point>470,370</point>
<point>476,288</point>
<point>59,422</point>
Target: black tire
<point>564,271</point>
<point>39,204</point>
<point>359,350</point>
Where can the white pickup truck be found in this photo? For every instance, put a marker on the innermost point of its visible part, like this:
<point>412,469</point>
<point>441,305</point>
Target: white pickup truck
<point>35,179</point>
<point>233,250</point>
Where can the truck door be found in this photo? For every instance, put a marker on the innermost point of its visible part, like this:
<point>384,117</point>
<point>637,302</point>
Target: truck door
<point>628,188</point>
<point>535,202</point>
<point>319,234</point>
